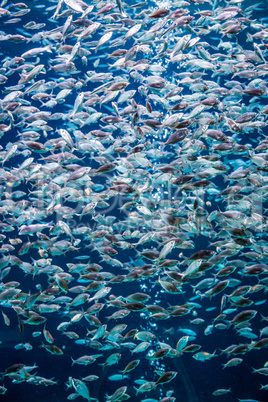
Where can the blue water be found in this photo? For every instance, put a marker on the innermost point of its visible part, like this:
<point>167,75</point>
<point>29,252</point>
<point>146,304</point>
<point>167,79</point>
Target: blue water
<point>195,381</point>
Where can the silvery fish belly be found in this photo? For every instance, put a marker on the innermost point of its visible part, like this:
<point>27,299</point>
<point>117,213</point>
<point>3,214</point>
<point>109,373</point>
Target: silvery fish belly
<point>133,200</point>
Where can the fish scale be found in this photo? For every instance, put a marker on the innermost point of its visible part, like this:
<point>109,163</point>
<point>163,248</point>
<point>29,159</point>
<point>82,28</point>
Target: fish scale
<point>130,134</point>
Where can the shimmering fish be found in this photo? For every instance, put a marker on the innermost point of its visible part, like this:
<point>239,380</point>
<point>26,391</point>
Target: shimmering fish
<point>133,191</point>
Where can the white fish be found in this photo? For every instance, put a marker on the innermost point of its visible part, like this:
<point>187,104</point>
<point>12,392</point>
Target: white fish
<point>89,30</point>
<point>74,5</point>
<point>167,249</point>
<point>78,103</point>
<point>11,152</point>
<point>38,50</point>
<point>67,24</point>
<point>100,293</point>
<point>73,53</point>
<point>132,31</point>
<point>105,38</point>
<point>12,96</point>
<point>66,136</point>
<point>193,267</point>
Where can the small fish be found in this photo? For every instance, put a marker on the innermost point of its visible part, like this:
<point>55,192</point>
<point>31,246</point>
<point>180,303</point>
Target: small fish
<point>203,356</point>
<point>221,391</point>
<point>53,349</point>
<point>80,387</point>
<point>119,393</point>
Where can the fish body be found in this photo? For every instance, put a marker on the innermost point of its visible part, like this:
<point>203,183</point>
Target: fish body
<point>81,388</point>
<point>131,134</point>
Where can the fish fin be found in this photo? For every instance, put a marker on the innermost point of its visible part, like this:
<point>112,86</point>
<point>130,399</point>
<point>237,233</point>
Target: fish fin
<point>136,390</point>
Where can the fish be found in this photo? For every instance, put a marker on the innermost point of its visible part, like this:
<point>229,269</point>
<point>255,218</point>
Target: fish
<point>112,359</point>
<point>146,387</point>
<point>119,393</point>
<point>53,349</point>
<point>133,197</point>
<point>203,356</point>
<point>221,391</point>
<point>80,387</point>
<point>166,377</point>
